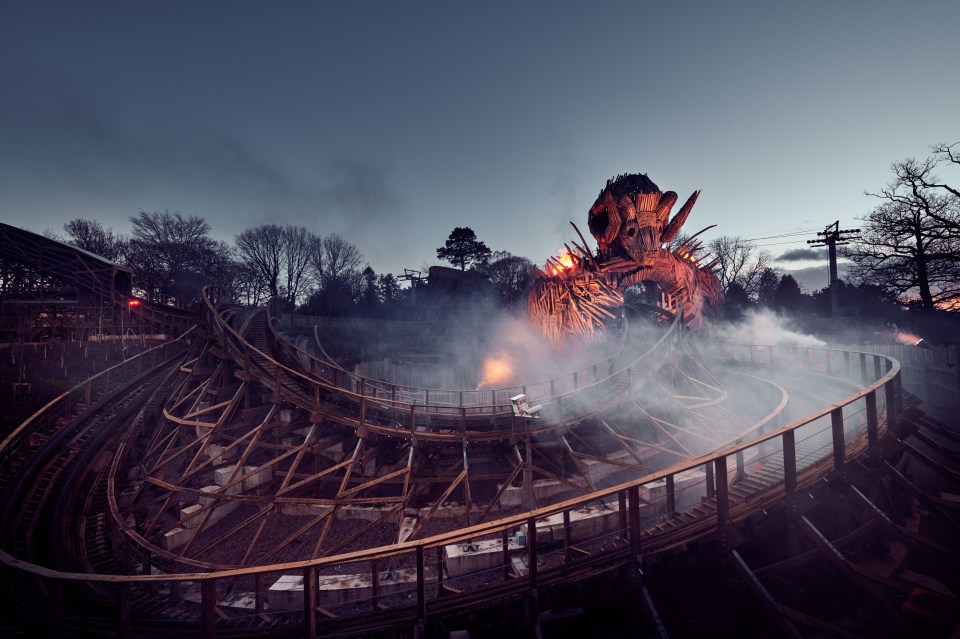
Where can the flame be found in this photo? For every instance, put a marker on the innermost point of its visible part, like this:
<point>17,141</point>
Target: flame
<point>565,261</point>
<point>907,338</point>
<point>497,371</point>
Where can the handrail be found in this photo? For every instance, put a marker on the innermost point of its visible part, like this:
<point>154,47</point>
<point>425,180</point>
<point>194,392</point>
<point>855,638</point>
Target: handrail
<point>888,381</point>
<point>486,411</point>
<point>510,390</point>
<point>105,374</point>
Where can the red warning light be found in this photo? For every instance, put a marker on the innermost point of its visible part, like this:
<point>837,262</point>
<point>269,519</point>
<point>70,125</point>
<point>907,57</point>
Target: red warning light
<point>133,302</point>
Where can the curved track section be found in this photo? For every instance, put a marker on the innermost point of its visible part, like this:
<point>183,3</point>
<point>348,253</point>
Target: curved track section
<point>257,490</point>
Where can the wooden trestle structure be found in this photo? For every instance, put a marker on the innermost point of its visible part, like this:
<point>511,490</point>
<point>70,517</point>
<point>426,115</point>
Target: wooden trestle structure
<point>248,488</point>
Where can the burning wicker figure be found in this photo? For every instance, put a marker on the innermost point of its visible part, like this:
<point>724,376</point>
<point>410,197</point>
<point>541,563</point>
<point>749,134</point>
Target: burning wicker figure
<point>578,293</point>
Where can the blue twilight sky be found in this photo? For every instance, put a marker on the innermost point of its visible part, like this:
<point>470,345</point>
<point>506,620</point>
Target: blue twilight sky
<point>393,122</point>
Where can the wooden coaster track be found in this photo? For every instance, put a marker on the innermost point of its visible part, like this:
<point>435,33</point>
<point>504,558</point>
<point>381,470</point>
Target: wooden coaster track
<point>112,578</point>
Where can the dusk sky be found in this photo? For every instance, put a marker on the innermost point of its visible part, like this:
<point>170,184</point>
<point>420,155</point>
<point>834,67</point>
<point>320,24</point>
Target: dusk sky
<point>393,122</point>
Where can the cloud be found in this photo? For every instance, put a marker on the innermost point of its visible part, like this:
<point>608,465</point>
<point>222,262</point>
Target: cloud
<point>815,278</point>
<point>797,255</point>
<point>72,150</point>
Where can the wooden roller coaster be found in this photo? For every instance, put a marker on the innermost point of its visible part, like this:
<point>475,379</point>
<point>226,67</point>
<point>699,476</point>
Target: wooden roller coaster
<point>250,488</point>
<point>233,481</point>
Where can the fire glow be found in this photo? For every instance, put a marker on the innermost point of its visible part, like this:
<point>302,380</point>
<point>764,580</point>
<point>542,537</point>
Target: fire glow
<point>562,262</point>
<point>497,371</point>
<point>908,338</point>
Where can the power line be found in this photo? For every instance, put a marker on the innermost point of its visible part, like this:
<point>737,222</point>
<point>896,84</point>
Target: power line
<point>784,234</point>
<point>779,243</point>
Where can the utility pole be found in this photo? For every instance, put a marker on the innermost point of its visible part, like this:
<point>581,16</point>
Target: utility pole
<point>415,278</point>
<point>831,237</point>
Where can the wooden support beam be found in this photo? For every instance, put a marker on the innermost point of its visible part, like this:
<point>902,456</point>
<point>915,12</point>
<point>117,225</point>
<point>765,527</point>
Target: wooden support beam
<point>762,595</point>
<point>310,602</point>
<point>833,554</point>
<point>805,619</point>
<point>208,605</point>
<point>652,614</point>
<point>421,589</point>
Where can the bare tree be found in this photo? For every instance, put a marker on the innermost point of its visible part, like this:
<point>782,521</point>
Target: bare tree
<point>910,243</point>
<point>919,176</point>
<point>298,243</point>
<point>173,256</point>
<point>261,249</point>
<point>334,258</point>
<point>279,258</point>
<point>511,275</point>
<point>91,236</point>
<point>248,285</point>
<point>739,262</point>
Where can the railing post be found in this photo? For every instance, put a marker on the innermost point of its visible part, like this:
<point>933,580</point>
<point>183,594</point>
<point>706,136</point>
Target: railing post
<point>890,394</point>
<point>258,595</point>
<point>208,605</point>
<point>622,503</point>
<point>567,552</point>
<point>439,571</point>
<point>839,449</point>
<point>421,592</point>
<point>739,457</point>
<point>790,468</point>
<point>873,422</point>
<point>877,367</point>
<point>863,367</point>
<point>532,551</point>
<point>634,492</point>
<point>671,495</point>
<point>708,469</point>
<point>310,602</point>
<point>375,582</point>
<point>505,541</point>
<point>723,495</point>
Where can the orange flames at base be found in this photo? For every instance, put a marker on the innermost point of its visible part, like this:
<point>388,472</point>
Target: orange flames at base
<point>907,338</point>
<point>562,262</point>
<point>497,371</point>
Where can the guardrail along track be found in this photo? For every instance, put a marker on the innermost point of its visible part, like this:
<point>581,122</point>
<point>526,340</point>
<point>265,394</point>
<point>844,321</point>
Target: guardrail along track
<point>775,466</point>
